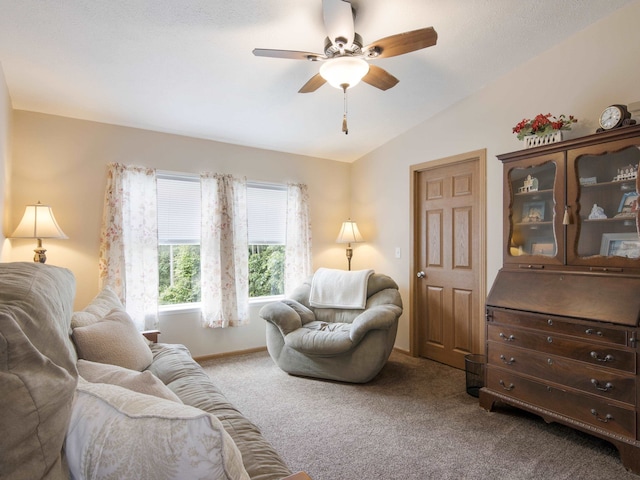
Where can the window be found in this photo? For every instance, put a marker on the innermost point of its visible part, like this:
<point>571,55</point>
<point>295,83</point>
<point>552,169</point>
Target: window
<point>267,218</point>
<point>179,238</point>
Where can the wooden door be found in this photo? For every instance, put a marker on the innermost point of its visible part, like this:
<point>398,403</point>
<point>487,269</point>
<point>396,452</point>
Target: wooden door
<point>449,258</point>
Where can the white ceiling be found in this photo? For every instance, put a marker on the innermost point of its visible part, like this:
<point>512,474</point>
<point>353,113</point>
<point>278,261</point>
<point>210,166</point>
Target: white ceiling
<point>186,67</point>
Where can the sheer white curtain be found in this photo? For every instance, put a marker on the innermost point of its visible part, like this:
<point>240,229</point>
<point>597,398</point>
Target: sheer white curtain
<point>224,251</point>
<point>128,257</point>
<point>297,266</point>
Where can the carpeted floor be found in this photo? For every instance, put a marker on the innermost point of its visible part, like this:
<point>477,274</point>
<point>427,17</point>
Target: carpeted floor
<point>414,421</point>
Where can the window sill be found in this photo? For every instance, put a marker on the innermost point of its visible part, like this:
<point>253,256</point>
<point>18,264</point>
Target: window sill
<point>181,308</point>
<point>178,308</point>
<point>265,300</point>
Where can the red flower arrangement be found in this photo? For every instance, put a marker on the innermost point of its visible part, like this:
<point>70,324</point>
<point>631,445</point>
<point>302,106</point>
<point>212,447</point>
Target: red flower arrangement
<point>543,125</point>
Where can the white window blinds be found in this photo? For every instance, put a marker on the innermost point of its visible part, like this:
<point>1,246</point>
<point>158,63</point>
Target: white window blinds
<point>267,214</point>
<point>178,210</point>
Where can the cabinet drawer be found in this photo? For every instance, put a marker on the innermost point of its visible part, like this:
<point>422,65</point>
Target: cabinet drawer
<point>548,323</point>
<point>582,407</point>
<point>588,378</point>
<point>597,354</point>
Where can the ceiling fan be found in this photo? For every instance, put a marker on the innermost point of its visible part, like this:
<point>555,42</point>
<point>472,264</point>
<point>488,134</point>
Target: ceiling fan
<point>345,60</point>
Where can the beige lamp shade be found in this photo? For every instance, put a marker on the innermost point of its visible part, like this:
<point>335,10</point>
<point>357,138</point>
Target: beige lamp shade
<point>349,233</point>
<point>38,222</point>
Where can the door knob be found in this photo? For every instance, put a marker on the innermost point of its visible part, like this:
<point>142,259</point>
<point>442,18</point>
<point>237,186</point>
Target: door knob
<point>421,274</point>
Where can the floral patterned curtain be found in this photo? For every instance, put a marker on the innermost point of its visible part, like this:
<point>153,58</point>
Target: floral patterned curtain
<point>297,265</point>
<point>224,251</point>
<point>128,256</point>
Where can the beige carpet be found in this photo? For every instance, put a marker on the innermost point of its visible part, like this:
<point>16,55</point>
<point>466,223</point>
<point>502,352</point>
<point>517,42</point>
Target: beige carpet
<point>413,421</point>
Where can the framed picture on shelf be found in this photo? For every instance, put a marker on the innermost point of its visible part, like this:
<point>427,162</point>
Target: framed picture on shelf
<point>532,212</point>
<point>620,245</point>
<point>628,205</point>
<point>546,249</point>
<point>540,245</point>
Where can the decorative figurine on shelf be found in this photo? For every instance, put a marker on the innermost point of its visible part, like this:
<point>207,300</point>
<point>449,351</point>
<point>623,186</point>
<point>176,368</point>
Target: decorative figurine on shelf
<point>530,185</point>
<point>630,172</point>
<point>597,213</point>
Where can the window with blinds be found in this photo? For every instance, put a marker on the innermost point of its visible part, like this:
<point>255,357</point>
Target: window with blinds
<point>267,214</point>
<point>179,220</point>
<point>178,210</point>
<point>178,199</point>
<point>267,225</point>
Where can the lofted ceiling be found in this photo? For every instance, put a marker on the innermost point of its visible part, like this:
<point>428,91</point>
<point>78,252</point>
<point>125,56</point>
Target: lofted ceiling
<point>186,66</point>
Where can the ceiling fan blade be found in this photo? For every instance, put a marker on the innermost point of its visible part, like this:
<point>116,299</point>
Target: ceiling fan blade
<point>402,43</point>
<point>338,22</point>
<point>290,54</point>
<point>313,84</point>
<point>380,78</point>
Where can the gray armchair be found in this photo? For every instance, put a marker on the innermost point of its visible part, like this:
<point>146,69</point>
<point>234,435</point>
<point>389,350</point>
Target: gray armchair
<point>336,344</point>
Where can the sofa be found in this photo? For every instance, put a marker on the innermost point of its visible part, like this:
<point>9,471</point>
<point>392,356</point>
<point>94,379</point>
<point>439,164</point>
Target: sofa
<point>84,395</point>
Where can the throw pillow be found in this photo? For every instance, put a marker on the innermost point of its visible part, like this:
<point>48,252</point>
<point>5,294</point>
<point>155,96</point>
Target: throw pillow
<point>115,340</point>
<point>99,307</point>
<point>117,433</point>
<point>141,382</point>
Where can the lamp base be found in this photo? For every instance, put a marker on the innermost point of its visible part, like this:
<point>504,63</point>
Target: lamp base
<point>349,255</point>
<point>40,256</point>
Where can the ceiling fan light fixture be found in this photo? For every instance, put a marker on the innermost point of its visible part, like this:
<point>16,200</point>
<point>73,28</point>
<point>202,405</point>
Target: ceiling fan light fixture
<point>342,71</point>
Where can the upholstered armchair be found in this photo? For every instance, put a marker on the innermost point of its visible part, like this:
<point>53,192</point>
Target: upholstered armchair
<point>346,344</point>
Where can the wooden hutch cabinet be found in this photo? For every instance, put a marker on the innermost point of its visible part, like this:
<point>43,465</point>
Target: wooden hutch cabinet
<point>562,317</point>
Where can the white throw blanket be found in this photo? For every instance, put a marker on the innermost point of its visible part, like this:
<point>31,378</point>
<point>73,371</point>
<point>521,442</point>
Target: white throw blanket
<point>339,288</point>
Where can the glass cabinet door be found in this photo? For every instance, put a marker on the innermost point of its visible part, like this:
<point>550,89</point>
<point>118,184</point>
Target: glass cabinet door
<point>533,225</point>
<point>603,194</point>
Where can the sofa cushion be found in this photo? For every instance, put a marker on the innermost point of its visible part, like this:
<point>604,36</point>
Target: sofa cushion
<point>141,382</point>
<point>113,339</point>
<point>98,308</point>
<point>108,425</point>
<point>37,369</point>
<point>175,367</point>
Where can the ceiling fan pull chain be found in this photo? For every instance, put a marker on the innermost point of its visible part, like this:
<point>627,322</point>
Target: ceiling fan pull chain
<point>345,129</point>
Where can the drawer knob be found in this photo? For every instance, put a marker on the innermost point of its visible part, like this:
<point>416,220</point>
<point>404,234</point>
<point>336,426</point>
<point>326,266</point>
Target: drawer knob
<point>608,417</point>
<point>607,386</point>
<point>591,331</point>
<point>549,339</point>
<point>507,362</point>
<point>507,388</point>
<point>550,322</point>
<point>607,358</point>
<point>510,338</point>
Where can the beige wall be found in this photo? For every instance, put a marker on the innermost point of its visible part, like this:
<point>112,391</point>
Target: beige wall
<point>62,162</point>
<point>5,150</point>
<point>581,76</point>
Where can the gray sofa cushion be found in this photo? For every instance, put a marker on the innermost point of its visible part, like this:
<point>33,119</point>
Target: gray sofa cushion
<point>37,369</point>
<point>175,367</point>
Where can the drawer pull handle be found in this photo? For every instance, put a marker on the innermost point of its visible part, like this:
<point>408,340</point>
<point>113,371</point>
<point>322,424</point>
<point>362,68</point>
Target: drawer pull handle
<point>591,331</point>
<point>596,356</point>
<point>510,338</point>
<point>607,386</point>
<point>511,361</point>
<point>509,388</point>
<point>606,419</point>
